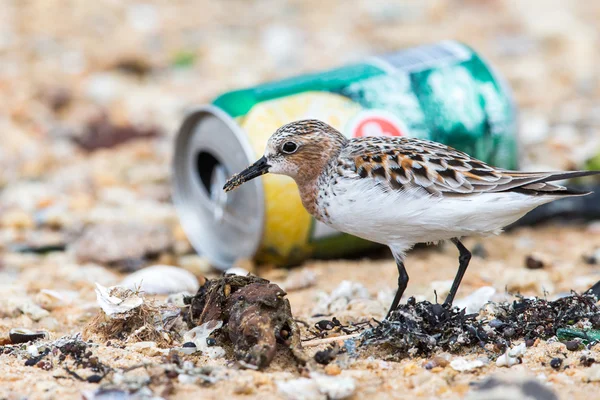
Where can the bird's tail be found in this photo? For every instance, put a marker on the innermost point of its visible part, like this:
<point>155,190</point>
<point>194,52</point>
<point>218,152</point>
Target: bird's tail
<point>544,185</point>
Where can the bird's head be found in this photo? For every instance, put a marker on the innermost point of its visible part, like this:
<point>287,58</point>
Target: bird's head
<point>300,149</point>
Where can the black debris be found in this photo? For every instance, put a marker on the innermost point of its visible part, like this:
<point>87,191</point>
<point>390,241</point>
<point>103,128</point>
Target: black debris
<point>326,356</point>
<point>556,362</point>
<point>587,361</point>
<point>425,327</point>
<point>34,360</point>
<point>532,262</point>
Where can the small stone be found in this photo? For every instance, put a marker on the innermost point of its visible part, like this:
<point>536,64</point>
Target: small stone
<point>16,219</point>
<point>509,332</point>
<point>49,323</point>
<point>436,362</point>
<point>187,379</point>
<point>587,361</point>
<point>333,369</point>
<point>556,363</point>
<point>496,323</point>
<point>572,345</point>
<point>196,264</point>
<point>326,356</point>
<point>536,261</point>
<point>462,365</point>
<point>299,279</point>
<point>94,378</point>
<point>593,258</point>
<point>124,245</point>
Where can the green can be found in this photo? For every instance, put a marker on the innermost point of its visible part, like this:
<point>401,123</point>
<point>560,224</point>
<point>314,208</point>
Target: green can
<point>443,92</point>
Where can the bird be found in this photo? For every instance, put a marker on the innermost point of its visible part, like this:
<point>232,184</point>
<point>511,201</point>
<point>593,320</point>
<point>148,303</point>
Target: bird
<point>400,191</point>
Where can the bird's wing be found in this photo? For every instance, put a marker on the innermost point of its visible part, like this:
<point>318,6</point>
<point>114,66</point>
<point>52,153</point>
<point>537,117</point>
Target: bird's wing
<point>405,164</point>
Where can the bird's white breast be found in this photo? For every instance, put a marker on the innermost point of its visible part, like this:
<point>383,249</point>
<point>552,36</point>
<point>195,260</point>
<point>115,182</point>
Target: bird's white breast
<point>402,218</point>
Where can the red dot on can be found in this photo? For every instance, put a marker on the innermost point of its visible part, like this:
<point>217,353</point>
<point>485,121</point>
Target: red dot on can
<point>377,126</point>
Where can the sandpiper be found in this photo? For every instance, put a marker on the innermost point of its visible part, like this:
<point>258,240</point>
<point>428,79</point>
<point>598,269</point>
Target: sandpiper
<point>401,191</point>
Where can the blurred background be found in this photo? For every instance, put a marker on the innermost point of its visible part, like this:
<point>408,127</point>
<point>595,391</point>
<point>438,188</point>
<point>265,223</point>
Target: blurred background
<point>92,94</point>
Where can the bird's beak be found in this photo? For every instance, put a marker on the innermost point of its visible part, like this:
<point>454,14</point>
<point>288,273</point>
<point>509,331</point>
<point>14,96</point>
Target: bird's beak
<point>255,170</point>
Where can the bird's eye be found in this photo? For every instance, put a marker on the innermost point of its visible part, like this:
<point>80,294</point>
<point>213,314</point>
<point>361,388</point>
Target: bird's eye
<point>289,147</point>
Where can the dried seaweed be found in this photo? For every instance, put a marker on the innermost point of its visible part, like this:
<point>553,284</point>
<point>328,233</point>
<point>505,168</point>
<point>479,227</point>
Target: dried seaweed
<point>422,328</point>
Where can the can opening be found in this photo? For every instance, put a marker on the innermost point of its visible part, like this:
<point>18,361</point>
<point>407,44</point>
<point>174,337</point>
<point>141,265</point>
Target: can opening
<point>206,164</point>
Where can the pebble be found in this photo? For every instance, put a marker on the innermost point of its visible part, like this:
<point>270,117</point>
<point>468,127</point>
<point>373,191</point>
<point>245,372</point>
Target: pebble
<point>572,345</point>
<point>187,379</point>
<point>162,279</point>
<point>537,261</point>
<point>317,387</point>
<point>335,388</point>
<point>34,311</point>
<point>51,299</point>
<point>462,365</point>
<point>196,264</point>
<point>299,279</point>
<point>17,219</point>
<point>333,369</point>
<point>111,243</point>
<point>49,323</point>
<point>593,258</point>
<point>436,362</point>
<point>556,362</point>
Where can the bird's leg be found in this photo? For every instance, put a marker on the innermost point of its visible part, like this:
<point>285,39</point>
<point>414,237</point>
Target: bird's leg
<point>402,283</point>
<point>463,259</point>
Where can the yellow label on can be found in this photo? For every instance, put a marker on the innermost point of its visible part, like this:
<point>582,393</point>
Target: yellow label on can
<point>287,229</point>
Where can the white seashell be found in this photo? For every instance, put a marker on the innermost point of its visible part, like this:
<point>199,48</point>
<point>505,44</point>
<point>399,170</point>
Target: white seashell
<point>108,299</point>
<point>461,365</point>
<point>162,279</point>
<point>237,271</point>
